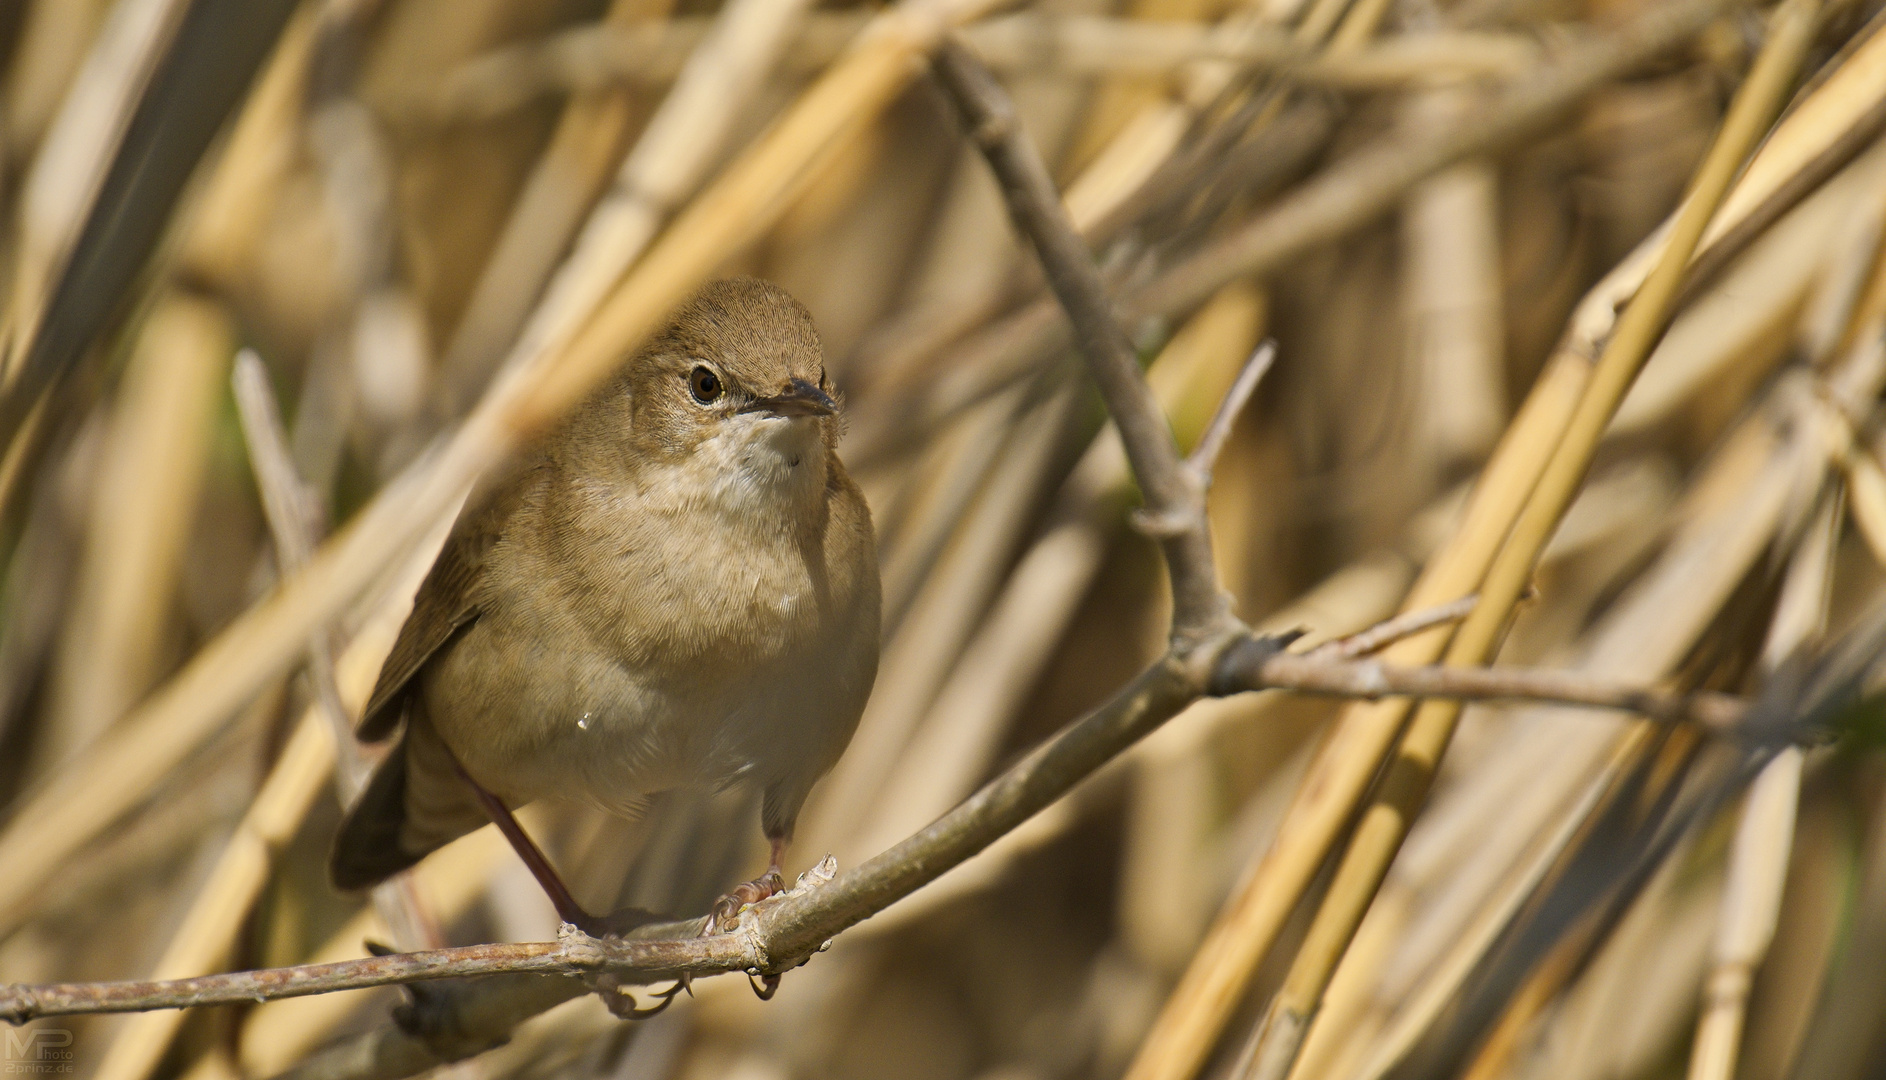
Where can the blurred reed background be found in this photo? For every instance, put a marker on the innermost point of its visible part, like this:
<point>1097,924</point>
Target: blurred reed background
<point>264,258</point>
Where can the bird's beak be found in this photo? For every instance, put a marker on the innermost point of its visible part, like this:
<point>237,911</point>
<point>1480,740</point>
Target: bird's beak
<point>799,398</point>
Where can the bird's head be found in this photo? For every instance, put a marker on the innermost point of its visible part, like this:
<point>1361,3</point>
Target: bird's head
<point>736,381</point>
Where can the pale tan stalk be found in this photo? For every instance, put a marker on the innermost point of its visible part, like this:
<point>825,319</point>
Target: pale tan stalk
<point>143,509</point>
<point>209,932</point>
<point>75,153</point>
<point>597,56</point>
<point>1405,786</point>
<point>682,141</point>
<point>262,643</point>
<point>1452,292</point>
<point>1194,1016</point>
<point>276,1035</point>
<point>1866,500</point>
<point>54,38</point>
<point>1758,859</point>
<point>956,736</point>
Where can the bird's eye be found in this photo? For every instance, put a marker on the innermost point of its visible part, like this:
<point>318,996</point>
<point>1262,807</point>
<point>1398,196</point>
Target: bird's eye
<point>705,385</point>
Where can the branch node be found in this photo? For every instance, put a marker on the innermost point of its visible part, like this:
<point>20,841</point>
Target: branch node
<point>1163,525</point>
<point>1238,663</point>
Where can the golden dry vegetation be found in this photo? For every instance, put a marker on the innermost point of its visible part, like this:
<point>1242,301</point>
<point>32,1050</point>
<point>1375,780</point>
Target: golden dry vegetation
<point>262,332</point>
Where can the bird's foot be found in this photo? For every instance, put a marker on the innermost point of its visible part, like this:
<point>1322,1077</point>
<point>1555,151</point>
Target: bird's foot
<point>622,1003</point>
<point>725,914</point>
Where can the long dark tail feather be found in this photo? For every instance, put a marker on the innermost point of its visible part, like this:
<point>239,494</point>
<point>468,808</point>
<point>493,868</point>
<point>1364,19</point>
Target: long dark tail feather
<point>367,850</point>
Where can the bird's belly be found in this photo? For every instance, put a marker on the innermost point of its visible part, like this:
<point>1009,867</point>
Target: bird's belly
<point>532,723</point>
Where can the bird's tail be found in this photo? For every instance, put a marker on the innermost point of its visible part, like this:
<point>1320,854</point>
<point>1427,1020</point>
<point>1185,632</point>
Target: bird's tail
<point>415,803</point>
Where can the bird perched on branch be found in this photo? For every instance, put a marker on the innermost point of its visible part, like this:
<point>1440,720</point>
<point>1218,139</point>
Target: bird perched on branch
<point>677,588</point>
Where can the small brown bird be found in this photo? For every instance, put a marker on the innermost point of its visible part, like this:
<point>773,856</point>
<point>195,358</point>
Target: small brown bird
<point>678,588</point>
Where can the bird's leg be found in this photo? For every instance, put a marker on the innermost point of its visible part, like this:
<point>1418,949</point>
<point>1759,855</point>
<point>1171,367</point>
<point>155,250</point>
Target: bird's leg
<point>568,909</point>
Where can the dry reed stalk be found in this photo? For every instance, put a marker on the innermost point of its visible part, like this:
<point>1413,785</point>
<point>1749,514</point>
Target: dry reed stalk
<point>1188,1027</point>
<point>956,733</point>
<point>1634,649</point>
<point>943,617</point>
<point>75,154</point>
<point>1866,500</point>
<point>1758,859</point>
<point>1742,325</point>
<point>276,1035</point>
<point>598,56</point>
<point>261,643</point>
<point>562,186</point>
<point>668,162</point>
<point>1405,786</point>
<point>228,219</point>
<point>144,506</point>
<point>1451,284</point>
<point>1733,514</point>
<point>1363,186</point>
<point>208,934</point>
<point>1756,871</point>
<point>296,518</point>
<point>53,42</point>
<point>670,159</point>
<point>1352,598</point>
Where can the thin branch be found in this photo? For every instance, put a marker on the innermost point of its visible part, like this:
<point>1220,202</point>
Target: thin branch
<point>779,934</point>
<point>294,526</point>
<point>296,518</point>
<point>1204,457</point>
<point>1387,632</point>
<point>1245,666</point>
<point>1175,498</point>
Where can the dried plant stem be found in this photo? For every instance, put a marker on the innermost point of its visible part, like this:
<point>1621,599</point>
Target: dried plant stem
<point>1215,982</point>
<point>83,800</point>
<point>296,519</point>
<point>1355,191</point>
<point>208,934</point>
<point>1758,858</point>
<point>1405,786</point>
<point>1213,654</point>
<point>1375,179</point>
<point>1174,493</point>
<point>683,139</point>
<point>596,56</point>
<point>1386,633</point>
<point>786,931</point>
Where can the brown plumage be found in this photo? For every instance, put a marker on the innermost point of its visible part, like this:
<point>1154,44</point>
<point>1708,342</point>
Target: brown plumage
<point>677,588</point>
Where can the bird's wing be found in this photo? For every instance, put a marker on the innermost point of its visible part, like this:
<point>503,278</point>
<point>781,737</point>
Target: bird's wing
<point>447,602</point>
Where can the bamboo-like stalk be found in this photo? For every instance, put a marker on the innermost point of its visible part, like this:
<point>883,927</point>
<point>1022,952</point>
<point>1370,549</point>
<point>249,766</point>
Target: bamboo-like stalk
<point>86,798</point>
<point>597,56</point>
<point>140,521</point>
<point>668,162</point>
<point>1211,987</point>
<point>77,150</point>
<point>1405,785</point>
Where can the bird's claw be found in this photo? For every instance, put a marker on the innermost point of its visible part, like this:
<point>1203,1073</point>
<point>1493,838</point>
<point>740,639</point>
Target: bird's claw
<point>725,914</point>
<point>764,986</point>
<point>622,1004</point>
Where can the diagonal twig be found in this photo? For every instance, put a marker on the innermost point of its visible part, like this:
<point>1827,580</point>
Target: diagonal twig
<point>1211,443</point>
